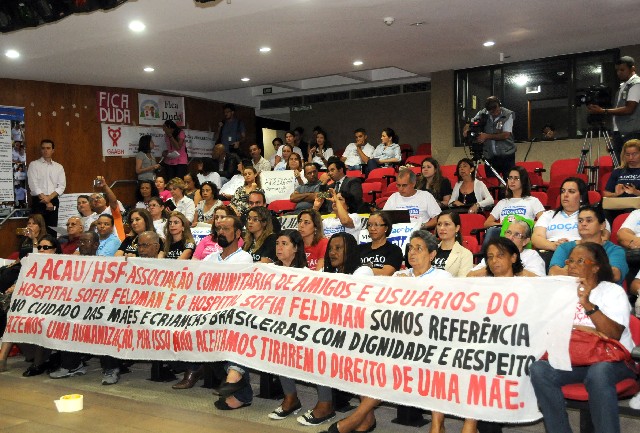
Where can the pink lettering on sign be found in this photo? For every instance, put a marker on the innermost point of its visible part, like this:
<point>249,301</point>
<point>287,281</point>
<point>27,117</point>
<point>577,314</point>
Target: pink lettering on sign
<point>113,107</point>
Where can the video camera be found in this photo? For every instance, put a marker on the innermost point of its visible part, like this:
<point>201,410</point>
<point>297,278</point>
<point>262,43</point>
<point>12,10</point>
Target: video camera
<point>598,94</point>
<point>476,127</point>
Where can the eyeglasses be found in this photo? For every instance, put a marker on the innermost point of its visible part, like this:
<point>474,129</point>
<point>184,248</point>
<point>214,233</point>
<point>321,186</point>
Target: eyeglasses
<point>513,177</point>
<point>579,262</point>
<point>147,245</point>
<point>254,219</point>
<point>46,247</point>
<point>375,225</point>
<point>514,234</point>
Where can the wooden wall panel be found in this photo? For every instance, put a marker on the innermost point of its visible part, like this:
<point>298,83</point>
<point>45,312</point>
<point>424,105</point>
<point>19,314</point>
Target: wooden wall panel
<point>66,113</point>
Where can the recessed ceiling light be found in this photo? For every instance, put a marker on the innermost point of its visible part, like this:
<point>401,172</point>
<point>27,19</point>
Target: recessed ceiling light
<point>489,44</point>
<point>265,49</point>
<point>358,63</point>
<point>12,54</point>
<point>149,69</point>
<point>245,79</point>
<point>137,26</point>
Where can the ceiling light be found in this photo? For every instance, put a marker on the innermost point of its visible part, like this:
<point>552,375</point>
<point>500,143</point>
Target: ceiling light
<point>521,79</point>
<point>149,69</point>
<point>489,44</point>
<point>136,26</point>
<point>417,24</point>
<point>358,63</point>
<point>12,54</point>
<point>245,79</point>
<point>265,49</point>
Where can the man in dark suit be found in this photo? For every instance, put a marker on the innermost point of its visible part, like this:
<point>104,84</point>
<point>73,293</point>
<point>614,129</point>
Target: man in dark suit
<point>349,187</point>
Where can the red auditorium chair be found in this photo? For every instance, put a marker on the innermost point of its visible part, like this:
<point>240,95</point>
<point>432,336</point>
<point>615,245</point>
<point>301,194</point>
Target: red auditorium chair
<point>281,206</point>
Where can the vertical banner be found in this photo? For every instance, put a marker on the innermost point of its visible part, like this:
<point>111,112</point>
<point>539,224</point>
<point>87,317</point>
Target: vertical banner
<point>13,160</point>
<point>156,109</point>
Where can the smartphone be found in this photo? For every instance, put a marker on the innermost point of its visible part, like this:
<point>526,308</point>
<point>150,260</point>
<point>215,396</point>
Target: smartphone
<point>96,183</point>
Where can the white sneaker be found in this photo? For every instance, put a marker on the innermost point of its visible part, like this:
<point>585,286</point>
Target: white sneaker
<point>63,372</point>
<point>634,403</point>
<point>111,376</point>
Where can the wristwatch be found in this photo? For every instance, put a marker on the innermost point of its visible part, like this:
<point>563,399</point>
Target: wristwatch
<point>590,312</point>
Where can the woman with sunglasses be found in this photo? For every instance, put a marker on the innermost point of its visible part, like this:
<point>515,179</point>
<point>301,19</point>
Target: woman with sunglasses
<point>40,355</point>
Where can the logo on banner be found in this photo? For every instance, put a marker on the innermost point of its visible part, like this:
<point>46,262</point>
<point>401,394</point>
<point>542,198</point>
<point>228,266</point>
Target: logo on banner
<point>149,110</point>
<point>115,134</point>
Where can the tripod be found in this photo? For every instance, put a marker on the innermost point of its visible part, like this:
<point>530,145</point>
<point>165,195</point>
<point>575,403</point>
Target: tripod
<point>476,150</point>
<point>587,151</point>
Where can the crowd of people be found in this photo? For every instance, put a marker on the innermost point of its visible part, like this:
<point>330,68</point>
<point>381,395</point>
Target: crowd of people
<point>225,193</point>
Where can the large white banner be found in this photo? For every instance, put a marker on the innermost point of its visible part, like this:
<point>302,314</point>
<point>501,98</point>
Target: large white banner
<point>122,140</point>
<point>461,346</point>
<point>156,109</point>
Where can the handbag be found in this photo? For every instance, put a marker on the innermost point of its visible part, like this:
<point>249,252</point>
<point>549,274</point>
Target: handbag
<point>587,348</point>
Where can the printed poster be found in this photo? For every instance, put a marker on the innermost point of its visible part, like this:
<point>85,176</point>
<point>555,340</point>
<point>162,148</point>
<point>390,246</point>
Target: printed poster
<point>156,109</point>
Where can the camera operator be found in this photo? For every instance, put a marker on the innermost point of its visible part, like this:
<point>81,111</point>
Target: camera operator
<point>497,136</point>
<point>626,119</point>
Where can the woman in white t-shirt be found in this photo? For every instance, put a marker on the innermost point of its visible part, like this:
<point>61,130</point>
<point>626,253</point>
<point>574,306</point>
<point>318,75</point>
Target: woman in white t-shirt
<point>518,201</point>
<point>344,221</point>
<point>322,151</point>
<point>555,227</point>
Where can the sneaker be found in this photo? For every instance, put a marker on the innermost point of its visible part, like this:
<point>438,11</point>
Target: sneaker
<point>310,420</point>
<point>63,372</point>
<point>280,413</point>
<point>634,403</point>
<point>111,376</point>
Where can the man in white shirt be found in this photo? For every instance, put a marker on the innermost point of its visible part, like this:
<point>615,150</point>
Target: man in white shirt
<point>626,118</point>
<point>422,206</point>
<point>47,182</point>
<point>258,161</point>
<point>357,154</point>
<point>229,233</point>
<point>519,233</point>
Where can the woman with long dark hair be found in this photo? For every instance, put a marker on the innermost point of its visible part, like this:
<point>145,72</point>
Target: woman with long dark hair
<point>387,152</point>
<point>469,193</point>
<point>342,256</point>
<point>451,255</point>
<point>518,201</point>
<point>140,220</point>
<point>432,180</point>
<point>175,160</point>
<point>146,190</point>
<point>146,164</point>
<point>321,151</point>
<point>260,240</point>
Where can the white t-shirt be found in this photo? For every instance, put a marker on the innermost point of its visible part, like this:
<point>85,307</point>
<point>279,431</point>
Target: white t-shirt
<point>431,273</point>
<point>562,226</point>
<point>159,225</point>
<point>422,206</point>
<point>632,95</point>
<point>333,225</point>
<point>296,149</point>
<point>527,207</point>
<point>531,261</point>
<point>614,303</point>
<point>352,155</point>
<point>633,221</point>
<point>238,256</point>
<point>328,153</point>
<point>212,177</point>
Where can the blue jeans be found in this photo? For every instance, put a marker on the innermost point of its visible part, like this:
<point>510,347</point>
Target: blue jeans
<point>245,394</point>
<point>600,380</point>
